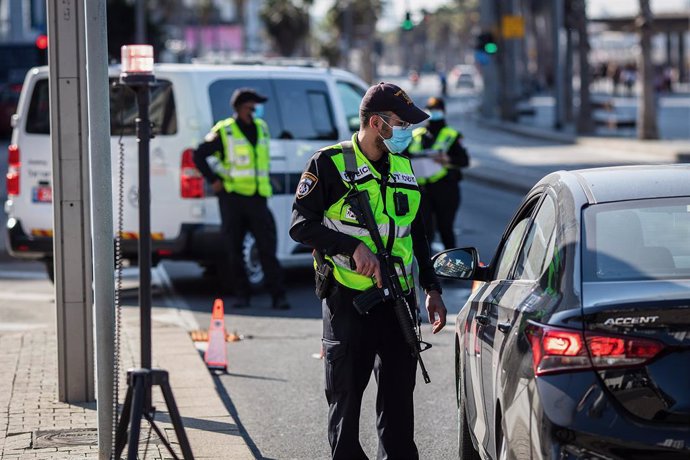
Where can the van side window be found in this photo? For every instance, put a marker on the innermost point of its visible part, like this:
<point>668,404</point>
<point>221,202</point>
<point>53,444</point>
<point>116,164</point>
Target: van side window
<point>123,110</point>
<point>350,96</point>
<point>305,110</point>
<point>220,92</point>
<point>38,119</point>
<point>296,109</point>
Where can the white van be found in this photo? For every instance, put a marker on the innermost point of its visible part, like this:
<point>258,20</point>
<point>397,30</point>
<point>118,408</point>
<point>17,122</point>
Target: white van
<point>308,108</point>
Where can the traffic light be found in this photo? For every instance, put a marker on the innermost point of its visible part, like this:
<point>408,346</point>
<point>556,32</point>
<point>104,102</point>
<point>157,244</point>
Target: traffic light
<point>486,43</point>
<point>407,24</point>
<point>42,49</point>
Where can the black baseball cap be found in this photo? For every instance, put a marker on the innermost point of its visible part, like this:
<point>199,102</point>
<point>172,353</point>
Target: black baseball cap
<point>242,95</point>
<point>436,103</point>
<point>389,97</point>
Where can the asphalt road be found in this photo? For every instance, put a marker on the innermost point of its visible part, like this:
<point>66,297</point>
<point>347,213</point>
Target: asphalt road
<point>275,380</point>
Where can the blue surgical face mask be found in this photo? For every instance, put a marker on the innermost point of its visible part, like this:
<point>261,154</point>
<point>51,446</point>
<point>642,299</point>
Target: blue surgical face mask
<point>436,115</point>
<point>259,111</point>
<point>400,139</point>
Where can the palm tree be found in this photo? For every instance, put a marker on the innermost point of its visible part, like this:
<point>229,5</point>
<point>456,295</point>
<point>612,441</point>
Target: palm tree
<point>355,23</point>
<point>287,22</point>
<point>646,113</point>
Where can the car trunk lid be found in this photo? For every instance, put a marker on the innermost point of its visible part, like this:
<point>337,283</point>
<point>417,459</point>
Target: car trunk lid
<point>635,315</point>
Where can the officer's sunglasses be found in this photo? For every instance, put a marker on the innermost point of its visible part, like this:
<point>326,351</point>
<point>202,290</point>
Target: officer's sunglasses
<point>403,124</point>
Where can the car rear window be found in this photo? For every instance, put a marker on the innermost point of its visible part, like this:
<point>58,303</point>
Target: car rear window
<point>296,109</point>
<point>637,240</point>
<point>123,110</point>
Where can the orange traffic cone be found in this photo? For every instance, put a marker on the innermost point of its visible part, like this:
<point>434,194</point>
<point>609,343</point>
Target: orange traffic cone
<point>216,354</point>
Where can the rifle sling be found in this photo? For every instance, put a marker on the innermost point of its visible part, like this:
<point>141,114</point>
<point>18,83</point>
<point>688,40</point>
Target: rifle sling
<point>351,173</point>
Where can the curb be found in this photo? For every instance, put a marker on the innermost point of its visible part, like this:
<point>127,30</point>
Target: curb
<point>523,130</point>
<point>679,150</point>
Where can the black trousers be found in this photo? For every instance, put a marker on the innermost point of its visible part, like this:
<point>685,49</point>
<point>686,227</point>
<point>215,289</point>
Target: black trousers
<point>354,345</point>
<point>440,203</point>
<point>240,214</point>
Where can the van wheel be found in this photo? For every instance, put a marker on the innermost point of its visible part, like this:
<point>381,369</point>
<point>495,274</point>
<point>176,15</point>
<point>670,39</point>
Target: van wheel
<point>50,269</point>
<point>252,263</point>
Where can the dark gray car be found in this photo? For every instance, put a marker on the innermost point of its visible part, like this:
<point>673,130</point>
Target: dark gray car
<point>577,343</point>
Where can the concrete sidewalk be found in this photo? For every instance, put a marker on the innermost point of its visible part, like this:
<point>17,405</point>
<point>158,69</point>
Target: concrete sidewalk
<point>498,158</point>
<point>34,425</point>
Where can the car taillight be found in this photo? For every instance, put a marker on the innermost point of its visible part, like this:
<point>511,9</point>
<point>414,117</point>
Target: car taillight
<point>563,350</point>
<point>191,180</point>
<point>13,163</point>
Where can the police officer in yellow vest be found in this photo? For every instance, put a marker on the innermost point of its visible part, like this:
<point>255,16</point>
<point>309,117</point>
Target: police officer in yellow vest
<point>437,155</point>
<point>355,344</point>
<point>234,159</point>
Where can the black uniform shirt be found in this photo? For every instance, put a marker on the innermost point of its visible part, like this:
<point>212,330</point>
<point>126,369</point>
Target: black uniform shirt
<point>320,187</point>
<point>213,144</point>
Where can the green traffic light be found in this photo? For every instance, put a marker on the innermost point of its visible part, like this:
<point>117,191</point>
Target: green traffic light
<point>407,24</point>
<point>491,48</point>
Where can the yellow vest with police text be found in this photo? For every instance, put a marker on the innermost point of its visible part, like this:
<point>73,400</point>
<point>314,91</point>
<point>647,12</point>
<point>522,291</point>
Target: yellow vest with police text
<point>395,230</point>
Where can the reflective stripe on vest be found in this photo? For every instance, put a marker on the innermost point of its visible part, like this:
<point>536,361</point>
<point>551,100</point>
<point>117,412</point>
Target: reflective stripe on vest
<point>444,140</point>
<point>243,167</point>
<point>355,230</point>
<point>340,218</point>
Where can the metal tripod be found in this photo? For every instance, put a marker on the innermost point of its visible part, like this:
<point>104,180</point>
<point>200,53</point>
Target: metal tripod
<point>140,382</point>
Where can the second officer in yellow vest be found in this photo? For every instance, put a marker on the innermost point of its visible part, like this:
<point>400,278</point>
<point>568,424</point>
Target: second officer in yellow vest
<point>437,155</point>
<point>354,344</point>
<point>235,160</point>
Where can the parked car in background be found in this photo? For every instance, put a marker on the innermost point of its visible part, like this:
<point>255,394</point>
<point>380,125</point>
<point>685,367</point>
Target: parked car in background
<point>465,76</point>
<point>9,98</point>
<point>308,108</point>
<point>576,345</point>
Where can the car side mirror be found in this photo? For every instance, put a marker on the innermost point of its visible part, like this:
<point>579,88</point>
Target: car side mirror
<point>458,263</point>
<point>14,121</point>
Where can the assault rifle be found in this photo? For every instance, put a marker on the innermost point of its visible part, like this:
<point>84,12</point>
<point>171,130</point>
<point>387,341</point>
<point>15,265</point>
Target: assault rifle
<point>391,289</point>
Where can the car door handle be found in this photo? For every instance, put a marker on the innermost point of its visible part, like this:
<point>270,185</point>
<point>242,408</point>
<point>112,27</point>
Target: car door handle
<point>482,319</point>
<point>504,327</point>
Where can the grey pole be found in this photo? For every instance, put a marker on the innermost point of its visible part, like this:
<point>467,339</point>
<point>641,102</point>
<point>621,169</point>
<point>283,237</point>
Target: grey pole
<point>511,91</point>
<point>140,22</point>
<point>558,63</point>
<point>102,227</point>
<point>69,128</point>
<point>487,20</point>
<point>682,69</point>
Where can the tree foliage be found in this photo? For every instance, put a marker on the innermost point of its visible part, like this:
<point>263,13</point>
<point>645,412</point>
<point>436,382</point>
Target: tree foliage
<point>287,22</point>
<point>350,22</point>
<point>121,24</point>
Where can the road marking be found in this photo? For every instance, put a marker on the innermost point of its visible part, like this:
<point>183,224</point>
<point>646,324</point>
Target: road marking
<point>23,275</point>
<point>18,327</point>
<point>28,296</point>
<point>172,299</point>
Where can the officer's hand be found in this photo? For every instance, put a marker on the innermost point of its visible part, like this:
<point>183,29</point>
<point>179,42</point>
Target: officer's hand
<point>441,158</point>
<point>366,263</point>
<point>217,185</point>
<point>435,305</point>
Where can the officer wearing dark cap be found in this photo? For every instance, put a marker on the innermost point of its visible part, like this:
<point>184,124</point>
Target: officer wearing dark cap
<point>437,155</point>
<point>354,344</point>
<point>234,159</point>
